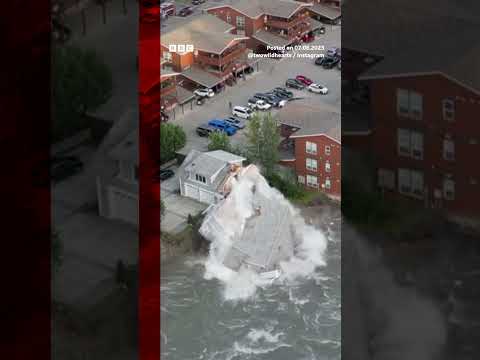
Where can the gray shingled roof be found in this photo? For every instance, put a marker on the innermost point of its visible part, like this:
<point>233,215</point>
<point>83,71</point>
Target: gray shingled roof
<point>205,32</point>
<point>326,11</point>
<point>201,77</point>
<point>271,39</point>
<point>312,119</point>
<point>256,8</point>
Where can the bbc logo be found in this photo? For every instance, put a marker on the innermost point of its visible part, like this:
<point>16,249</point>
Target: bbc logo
<point>181,48</point>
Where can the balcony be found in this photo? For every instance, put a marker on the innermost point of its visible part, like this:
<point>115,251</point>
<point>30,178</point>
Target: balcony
<point>285,24</point>
<point>218,60</point>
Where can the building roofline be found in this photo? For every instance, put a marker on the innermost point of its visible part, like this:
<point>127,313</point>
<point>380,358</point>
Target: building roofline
<point>416,74</point>
<point>293,136</point>
<point>260,15</point>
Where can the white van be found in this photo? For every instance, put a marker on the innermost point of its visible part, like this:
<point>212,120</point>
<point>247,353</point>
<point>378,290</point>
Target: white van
<point>242,112</point>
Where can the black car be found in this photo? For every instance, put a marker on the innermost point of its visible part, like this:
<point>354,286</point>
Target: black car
<point>321,30</point>
<point>330,62</point>
<point>185,11</point>
<point>64,167</point>
<point>264,97</point>
<point>295,84</point>
<point>319,60</point>
<point>197,2</point>
<point>283,93</point>
<point>205,130</point>
<point>163,174</point>
<point>274,99</point>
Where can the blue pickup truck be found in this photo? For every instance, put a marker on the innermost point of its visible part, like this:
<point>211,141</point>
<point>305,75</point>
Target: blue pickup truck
<point>223,126</point>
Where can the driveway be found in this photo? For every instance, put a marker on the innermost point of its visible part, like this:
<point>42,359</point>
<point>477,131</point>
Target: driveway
<point>177,207</point>
<point>272,73</point>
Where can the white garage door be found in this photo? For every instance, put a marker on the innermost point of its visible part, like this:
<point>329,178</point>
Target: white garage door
<point>191,191</point>
<point>123,206</point>
<point>207,197</point>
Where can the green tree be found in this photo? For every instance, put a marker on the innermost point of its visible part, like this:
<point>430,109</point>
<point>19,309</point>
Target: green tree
<point>81,82</point>
<point>57,251</point>
<point>172,138</point>
<point>263,139</point>
<point>218,141</point>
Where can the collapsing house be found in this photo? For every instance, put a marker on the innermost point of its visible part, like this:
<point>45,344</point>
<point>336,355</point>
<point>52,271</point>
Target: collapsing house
<point>253,227</point>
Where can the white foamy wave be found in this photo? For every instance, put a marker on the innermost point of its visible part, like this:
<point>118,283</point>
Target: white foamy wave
<point>221,228</point>
<point>240,349</point>
<point>256,335</point>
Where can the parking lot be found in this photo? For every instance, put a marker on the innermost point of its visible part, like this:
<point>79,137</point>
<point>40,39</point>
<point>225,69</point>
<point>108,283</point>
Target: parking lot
<point>272,73</point>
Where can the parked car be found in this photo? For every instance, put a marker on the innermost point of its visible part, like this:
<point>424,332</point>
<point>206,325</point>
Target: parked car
<point>294,84</point>
<point>259,104</point>
<point>282,93</point>
<point>200,100</point>
<point>333,51</point>
<point>242,112</point>
<point>204,92</point>
<point>308,37</point>
<point>235,122</point>
<point>261,96</point>
<point>276,100</point>
<point>223,126</point>
<point>163,174</point>
<point>167,9</point>
<point>185,11</point>
<point>197,2</point>
<point>318,89</point>
<point>304,80</point>
<point>330,62</point>
<point>321,30</point>
<point>319,60</point>
<point>205,130</point>
<point>64,167</point>
<point>163,116</point>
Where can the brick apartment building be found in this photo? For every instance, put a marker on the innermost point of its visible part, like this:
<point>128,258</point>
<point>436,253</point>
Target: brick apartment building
<point>424,134</point>
<point>216,55</point>
<point>327,11</point>
<point>267,22</point>
<point>311,146</point>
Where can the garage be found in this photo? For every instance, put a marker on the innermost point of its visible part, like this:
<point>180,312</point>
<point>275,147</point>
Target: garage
<point>123,206</point>
<point>207,197</point>
<point>191,191</point>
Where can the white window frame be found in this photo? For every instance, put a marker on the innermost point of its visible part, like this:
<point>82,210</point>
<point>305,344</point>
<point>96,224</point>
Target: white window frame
<point>448,109</point>
<point>328,183</point>
<point>328,150</point>
<point>301,179</point>
<point>448,189</point>
<point>404,181</point>
<point>240,22</point>
<point>404,146</point>
<point>448,149</point>
<point>311,183</point>
<point>311,164</point>
<point>409,104</point>
<point>200,178</point>
<point>416,142</point>
<point>328,166</point>
<point>229,18</point>
<point>417,183</point>
<point>311,148</point>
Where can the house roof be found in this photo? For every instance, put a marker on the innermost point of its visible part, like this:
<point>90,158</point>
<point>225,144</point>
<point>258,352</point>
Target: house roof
<point>201,77</point>
<point>329,12</point>
<point>209,164</point>
<point>257,8</point>
<point>205,32</point>
<point>416,38</point>
<point>205,22</point>
<point>271,39</point>
<point>312,119</point>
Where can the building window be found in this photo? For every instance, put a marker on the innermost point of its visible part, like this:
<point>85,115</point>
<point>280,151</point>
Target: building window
<point>410,182</point>
<point>311,164</point>
<point>240,22</point>
<point>403,142</point>
<point>311,148</point>
<point>386,179</point>
<point>328,183</point>
<point>449,189</point>
<point>327,166</point>
<point>417,145</point>
<point>301,179</point>
<point>410,143</point>
<point>327,150</point>
<point>448,149</point>
<point>312,181</point>
<point>409,104</point>
<point>229,19</point>
<point>200,178</point>
<point>448,109</point>
<point>167,56</point>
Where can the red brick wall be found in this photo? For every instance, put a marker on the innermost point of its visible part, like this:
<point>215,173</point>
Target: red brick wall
<point>466,126</point>
<point>334,158</point>
<point>251,25</point>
